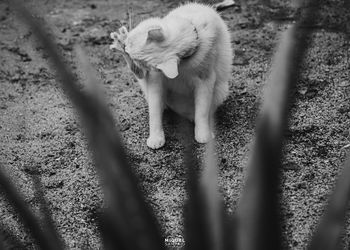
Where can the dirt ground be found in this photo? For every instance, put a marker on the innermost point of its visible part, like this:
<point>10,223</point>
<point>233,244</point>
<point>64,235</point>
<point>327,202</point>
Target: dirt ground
<point>39,133</point>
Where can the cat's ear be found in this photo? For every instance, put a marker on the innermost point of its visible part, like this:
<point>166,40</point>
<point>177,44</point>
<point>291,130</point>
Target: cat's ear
<point>169,68</point>
<point>155,34</point>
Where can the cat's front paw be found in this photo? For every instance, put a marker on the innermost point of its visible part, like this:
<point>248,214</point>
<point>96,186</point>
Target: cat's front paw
<point>119,38</point>
<point>122,34</point>
<point>117,45</point>
<point>203,135</point>
<point>156,141</point>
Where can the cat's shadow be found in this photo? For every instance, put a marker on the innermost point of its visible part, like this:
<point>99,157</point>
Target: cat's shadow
<point>238,108</point>
<point>238,113</point>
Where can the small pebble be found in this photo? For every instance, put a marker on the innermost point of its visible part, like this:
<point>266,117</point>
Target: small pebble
<point>344,84</point>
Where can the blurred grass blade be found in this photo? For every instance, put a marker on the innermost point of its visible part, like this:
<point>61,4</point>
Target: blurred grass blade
<point>42,237</point>
<point>213,202</point>
<point>8,240</point>
<point>66,76</point>
<point>220,224</point>
<point>204,212</point>
<point>126,202</point>
<point>331,225</point>
<point>47,221</point>
<point>259,221</point>
<point>88,74</point>
<point>197,232</point>
<point>258,212</point>
<point>128,213</point>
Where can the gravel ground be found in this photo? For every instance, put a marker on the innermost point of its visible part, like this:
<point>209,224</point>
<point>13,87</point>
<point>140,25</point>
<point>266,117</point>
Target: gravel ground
<point>39,132</point>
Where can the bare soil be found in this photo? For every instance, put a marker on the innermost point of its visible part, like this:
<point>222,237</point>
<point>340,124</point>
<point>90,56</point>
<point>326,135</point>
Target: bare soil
<point>40,133</point>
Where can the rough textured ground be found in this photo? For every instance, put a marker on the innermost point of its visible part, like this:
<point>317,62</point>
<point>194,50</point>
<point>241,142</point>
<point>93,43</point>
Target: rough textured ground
<point>39,132</point>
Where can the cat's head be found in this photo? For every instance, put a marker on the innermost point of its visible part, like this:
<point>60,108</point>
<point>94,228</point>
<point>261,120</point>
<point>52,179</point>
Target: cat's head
<point>149,42</point>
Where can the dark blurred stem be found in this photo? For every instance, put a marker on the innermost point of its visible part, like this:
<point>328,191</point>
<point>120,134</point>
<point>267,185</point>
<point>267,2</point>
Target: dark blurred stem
<point>212,198</point>
<point>126,202</point>
<point>259,219</point>
<point>196,228</point>
<point>332,223</point>
<point>63,72</point>
<point>47,222</point>
<point>43,239</point>
<point>6,235</point>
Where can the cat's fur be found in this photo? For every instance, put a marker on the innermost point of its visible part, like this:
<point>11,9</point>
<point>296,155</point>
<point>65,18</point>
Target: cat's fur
<point>182,60</point>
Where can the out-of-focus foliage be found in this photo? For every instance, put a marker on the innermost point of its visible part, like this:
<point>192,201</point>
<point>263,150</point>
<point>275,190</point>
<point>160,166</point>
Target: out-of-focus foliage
<point>128,222</point>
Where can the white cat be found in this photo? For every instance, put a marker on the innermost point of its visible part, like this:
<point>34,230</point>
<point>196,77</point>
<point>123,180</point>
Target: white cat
<point>183,61</point>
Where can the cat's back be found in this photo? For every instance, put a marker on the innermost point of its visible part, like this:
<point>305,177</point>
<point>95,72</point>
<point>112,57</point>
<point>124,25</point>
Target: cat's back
<point>198,14</point>
<point>206,19</point>
<point>194,11</point>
